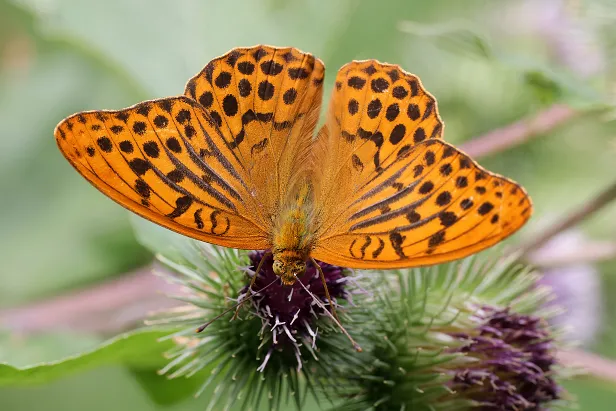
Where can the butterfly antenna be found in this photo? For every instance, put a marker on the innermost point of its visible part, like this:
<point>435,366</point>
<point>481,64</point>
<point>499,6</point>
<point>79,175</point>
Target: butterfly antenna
<point>252,283</point>
<point>329,299</point>
<point>236,306</point>
<point>320,304</point>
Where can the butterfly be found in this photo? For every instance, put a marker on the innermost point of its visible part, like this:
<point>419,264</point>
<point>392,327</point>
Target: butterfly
<point>236,162</point>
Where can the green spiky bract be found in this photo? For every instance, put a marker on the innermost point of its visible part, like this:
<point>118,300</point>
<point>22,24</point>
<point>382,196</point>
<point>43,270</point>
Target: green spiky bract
<point>421,348</point>
<point>232,355</point>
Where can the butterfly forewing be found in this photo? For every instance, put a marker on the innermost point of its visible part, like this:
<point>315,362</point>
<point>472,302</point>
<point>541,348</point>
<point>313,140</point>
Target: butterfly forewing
<point>165,161</point>
<point>409,199</point>
<point>266,101</point>
<point>377,112</point>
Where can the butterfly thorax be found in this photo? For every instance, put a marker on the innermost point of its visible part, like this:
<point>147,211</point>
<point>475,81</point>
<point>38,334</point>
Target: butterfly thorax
<point>292,239</point>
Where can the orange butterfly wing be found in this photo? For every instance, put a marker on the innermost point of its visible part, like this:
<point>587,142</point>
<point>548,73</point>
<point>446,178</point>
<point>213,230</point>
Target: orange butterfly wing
<point>214,164</point>
<point>219,163</point>
<point>408,198</point>
<point>166,161</point>
<point>266,100</point>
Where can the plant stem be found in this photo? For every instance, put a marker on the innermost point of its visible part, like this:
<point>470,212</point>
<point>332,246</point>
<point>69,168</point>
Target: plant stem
<point>599,367</point>
<point>587,253</point>
<point>590,207</point>
<point>519,132</point>
<point>106,308</point>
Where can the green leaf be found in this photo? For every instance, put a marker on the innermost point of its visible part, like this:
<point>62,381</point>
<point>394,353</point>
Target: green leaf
<point>283,23</point>
<point>139,348</point>
<point>165,391</point>
<point>455,36</point>
<point>549,83</point>
<point>21,350</point>
<point>43,218</point>
<point>591,393</point>
<point>546,89</point>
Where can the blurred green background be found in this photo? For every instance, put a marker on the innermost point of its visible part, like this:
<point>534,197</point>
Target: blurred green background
<point>488,64</point>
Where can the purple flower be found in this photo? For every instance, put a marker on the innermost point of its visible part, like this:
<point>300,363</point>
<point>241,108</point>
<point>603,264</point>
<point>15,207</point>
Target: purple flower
<point>515,357</point>
<point>290,312</point>
<point>271,351</point>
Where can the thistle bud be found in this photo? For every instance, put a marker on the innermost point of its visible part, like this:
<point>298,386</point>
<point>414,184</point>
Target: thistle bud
<point>457,336</point>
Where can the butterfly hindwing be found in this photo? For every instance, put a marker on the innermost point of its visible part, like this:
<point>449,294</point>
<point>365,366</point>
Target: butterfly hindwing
<point>440,206</point>
<point>165,161</point>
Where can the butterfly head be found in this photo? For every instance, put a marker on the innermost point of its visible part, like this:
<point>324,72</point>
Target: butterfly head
<point>288,267</point>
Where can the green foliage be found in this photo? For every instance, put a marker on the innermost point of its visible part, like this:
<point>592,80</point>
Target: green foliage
<point>164,391</point>
<point>592,394</point>
<point>47,210</point>
<point>420,315</point>
<point>23,350</point>
<point>138,349</point>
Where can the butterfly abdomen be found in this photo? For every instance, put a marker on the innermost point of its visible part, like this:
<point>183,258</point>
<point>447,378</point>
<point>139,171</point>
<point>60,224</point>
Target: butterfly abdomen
<point>291,247</point>
<point>292,233</point>
<point>292,237</point>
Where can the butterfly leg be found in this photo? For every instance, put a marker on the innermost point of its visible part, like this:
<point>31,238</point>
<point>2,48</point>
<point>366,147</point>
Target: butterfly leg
<point>207,324</point>
<point>252,283</point>
<point>329,299</point>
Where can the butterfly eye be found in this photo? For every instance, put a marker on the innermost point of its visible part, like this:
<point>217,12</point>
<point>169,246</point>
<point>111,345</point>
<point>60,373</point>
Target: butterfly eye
<point>278,267</point>
<point>299,267</point>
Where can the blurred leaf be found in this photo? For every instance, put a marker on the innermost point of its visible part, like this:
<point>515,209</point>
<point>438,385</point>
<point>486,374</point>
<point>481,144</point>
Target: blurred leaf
<point>101,389</point>
<point>592,394</point>
<point>552,85</point>
<point>606,344</point>
<point>547,91</point>
<point>455,36</point>
<point>195,37</point>
<point>51,211</point>
<point>13,19</point>
<point>21,350</point>
<point>159,239</point>
<point>138,348</point>
<point>165,391</point>
<point>116,245</point>
<point>549,84</point>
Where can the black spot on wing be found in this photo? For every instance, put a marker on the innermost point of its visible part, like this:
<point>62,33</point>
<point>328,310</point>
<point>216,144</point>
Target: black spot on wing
<point>436,239</point>
<point>259,147</point>
<point>485,208</point>
<point>214,220</point>
<point>198,220</point>
<point>396,240</point>
<point>363,247</point>
<point>379,249</point>
<point>181,205</point>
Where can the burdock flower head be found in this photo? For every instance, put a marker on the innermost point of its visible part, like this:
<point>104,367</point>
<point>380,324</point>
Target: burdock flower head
<point>457,336</point>
<point>258,351</point>
<point>288,311</point>
<point>514,367</point>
